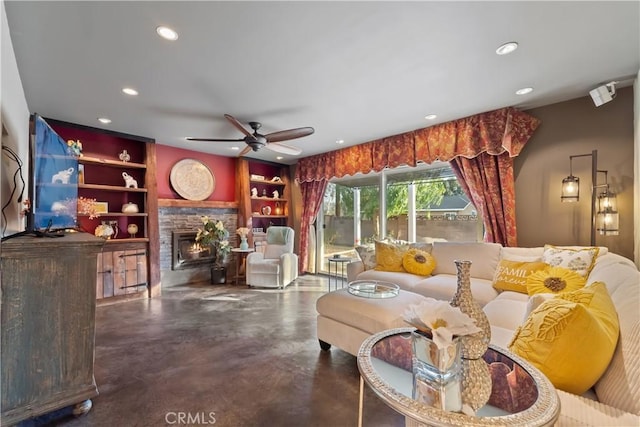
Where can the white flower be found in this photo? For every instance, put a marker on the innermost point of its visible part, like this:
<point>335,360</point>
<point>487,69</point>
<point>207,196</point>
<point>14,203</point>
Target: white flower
<point>441,319</point>
<point>242,231</point>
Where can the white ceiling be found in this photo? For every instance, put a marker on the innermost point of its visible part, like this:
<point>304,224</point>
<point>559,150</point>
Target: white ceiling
<point>356,71</point>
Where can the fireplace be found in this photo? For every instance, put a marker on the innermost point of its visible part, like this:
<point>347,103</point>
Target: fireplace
<point>187,253</point>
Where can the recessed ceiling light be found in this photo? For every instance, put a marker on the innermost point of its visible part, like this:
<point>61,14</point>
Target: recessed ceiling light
<point>507,48</point>
<point>430,116</point>
<point>279,157</point>
<point>339,141</point>
<point>235,148</point>
<point>524,91</point>
<point>167,33</point>
<point>104,120</point>
<point>130,91</point>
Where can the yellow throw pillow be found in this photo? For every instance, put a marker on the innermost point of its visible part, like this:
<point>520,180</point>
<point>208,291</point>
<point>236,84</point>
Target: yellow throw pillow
<point>579,260</point>
<point>571,337</point>
<point>512,275</point>
<point>418,262</point>
<point>389,256</point>
<point>554,280</point>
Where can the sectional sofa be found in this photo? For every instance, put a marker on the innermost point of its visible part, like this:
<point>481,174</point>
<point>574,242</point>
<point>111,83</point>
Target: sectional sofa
<point>345,321</point>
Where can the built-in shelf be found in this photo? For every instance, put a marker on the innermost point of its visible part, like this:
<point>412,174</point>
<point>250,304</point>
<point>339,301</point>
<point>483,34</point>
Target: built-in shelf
<point>112,163</point>
<point>269,199</point>
<point>268,216</point>
<point>103,214</point>
<point>266,181</point>
<point>111,188</point>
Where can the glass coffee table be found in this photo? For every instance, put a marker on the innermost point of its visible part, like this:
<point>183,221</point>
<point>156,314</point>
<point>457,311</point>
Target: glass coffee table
<point>521,394</point>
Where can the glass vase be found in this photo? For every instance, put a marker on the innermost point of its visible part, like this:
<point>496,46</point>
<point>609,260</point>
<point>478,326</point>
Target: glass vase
<point>436,372</point>
<point>243,243</point>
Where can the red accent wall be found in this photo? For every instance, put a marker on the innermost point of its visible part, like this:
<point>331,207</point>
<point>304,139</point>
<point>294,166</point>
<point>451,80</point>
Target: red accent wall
<point>223,169</point>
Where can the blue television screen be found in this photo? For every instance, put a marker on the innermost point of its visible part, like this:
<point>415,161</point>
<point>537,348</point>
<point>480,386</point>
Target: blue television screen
<point>54,184</point>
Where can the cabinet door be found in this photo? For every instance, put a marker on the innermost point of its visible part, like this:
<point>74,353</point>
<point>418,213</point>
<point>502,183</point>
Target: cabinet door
<point>121,272</point>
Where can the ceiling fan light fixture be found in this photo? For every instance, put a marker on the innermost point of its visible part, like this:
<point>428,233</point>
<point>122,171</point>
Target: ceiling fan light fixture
<point>167,33</point>
<point>507,48</point>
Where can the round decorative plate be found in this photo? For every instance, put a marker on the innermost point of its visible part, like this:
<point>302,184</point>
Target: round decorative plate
<point>192,179</point>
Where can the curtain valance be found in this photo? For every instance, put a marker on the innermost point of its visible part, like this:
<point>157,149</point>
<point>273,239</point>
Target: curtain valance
<point>493,132</point>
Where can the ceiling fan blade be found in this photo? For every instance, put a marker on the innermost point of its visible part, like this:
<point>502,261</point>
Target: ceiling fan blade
<point>283,149</point>
<point>285,135</point>
<point>237,124</point>
<point>245,151</point>
<point>214,139</point>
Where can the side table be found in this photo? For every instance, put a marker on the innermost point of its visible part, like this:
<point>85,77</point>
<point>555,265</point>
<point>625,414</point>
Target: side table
<point>341,262</point>
<point>241,262</point>
<point>526,398</point>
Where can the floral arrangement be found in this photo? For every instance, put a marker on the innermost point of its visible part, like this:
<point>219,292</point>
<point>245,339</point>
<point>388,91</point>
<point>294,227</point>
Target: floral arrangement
<point>242,232</point>
<point>75,147</point>
<point>441,320</point>
<point>214,234</point>
<point>87,206</point>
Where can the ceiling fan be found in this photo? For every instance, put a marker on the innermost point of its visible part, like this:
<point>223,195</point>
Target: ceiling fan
<point>255,141</point>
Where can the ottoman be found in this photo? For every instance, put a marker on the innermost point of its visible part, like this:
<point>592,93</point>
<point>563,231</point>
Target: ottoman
<point>346,320</point>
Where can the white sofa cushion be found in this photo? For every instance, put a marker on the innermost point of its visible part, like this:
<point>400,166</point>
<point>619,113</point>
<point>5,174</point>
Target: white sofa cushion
<point>620,384</point>
<point>405,280</point>
<point>483,256</point>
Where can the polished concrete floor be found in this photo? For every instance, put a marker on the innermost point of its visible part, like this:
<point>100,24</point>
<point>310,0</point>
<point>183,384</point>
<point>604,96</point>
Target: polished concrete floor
<point>225,356</point>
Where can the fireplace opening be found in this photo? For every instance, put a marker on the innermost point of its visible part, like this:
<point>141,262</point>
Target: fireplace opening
<point>187,253</point>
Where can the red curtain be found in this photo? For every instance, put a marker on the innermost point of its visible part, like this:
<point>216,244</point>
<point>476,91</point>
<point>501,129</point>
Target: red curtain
<point>488,181</point>
<point>496,132</point>
<point>312,194</point>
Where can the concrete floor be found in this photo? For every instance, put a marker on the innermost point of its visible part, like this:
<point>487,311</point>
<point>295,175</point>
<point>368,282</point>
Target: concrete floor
<point>225,356</point>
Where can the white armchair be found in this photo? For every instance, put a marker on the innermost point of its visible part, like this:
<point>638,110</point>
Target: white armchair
<point>277,265</point>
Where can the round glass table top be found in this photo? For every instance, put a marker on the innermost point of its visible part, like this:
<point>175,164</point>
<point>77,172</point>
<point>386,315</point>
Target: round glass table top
<point>373,289</point>
<point>521,395</point>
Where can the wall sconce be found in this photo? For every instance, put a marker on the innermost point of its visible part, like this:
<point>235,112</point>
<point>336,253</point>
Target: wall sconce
<point>605,220</point>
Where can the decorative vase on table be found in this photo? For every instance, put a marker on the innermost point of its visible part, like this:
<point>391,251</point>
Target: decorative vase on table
<point>243,243</point>
<point>476,379</point>
<point>436,372</point>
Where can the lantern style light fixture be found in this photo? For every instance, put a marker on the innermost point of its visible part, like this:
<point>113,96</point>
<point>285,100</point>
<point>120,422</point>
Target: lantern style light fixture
<point>605,220</point>
<point>607,217</point>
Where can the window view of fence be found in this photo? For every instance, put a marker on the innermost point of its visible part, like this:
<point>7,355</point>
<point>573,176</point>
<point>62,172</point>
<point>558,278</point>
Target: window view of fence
<point>421,205</point>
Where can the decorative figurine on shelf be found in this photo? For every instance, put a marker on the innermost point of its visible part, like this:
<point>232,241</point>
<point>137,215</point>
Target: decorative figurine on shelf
<point>63,176</point>
<point>266,210</point>
<point>132,229</point>
<point>129,181</point>
<point>276,194</point>
<point>264,192</point>
<point>115,228</point>
<point>104,230</point>
<point>75,147</point>
<point>124,156</point>
<point>276,179</point>
<point>254,192</point>
<point>130,207</point>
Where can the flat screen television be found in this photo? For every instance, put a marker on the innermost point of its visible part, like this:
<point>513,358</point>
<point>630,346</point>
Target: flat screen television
<point>52,184</point>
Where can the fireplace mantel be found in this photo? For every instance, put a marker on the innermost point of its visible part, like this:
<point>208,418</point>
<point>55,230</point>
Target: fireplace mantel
<point>181,203</point>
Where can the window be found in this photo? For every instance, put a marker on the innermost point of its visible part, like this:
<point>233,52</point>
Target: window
<point>421,204</point>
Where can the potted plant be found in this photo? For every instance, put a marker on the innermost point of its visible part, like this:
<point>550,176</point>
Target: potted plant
<point>214,234</point>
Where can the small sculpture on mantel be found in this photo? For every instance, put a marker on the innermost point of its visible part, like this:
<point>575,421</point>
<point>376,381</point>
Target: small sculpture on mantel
<point>275,194</point>
<point>276,179</point>
<point>254,192</point>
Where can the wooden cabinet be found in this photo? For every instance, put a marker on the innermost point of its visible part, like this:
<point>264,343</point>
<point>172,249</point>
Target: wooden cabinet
<point>48,323</point>
<point>119,173</point>
<point>265,195</point>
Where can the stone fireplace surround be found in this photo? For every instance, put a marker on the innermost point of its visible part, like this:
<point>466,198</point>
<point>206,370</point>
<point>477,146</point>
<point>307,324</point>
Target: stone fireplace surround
<point>173,218</point>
